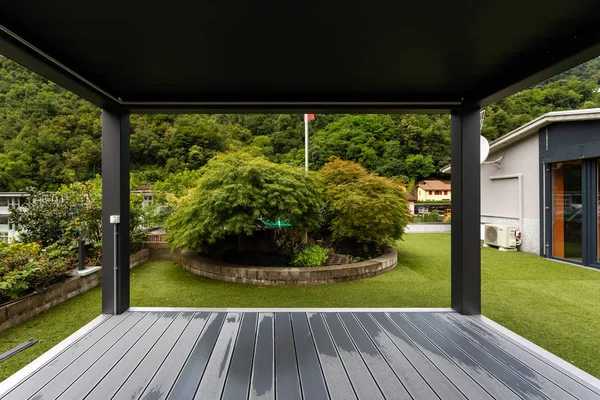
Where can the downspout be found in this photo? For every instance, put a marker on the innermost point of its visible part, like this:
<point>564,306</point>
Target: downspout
<point>519,194</point>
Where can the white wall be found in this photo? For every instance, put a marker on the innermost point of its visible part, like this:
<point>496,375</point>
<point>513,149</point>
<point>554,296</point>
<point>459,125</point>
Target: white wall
<point>499,197</point>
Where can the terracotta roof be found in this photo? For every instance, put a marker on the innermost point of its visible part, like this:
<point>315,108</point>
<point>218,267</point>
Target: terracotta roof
<point>410,197</point>
<point>434,185</point>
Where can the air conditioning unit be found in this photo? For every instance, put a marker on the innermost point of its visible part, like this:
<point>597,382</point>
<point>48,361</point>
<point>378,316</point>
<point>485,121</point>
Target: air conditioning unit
<point>501,236</point>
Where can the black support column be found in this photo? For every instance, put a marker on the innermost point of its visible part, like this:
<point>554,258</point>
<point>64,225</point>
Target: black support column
<point>466,211</point>
<point>115,202</point>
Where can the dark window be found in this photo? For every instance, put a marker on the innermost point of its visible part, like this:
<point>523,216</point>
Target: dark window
<point>438,192</point>
<point>3,201</point>
<point>3,219</point>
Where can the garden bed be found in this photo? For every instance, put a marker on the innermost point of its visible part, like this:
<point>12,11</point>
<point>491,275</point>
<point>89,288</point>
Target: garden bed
<point>288,276</point>
<point>15,312</point>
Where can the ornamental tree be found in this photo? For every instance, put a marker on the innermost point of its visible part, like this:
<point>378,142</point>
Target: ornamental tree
<point>362,206</point>
<point>237,191</point>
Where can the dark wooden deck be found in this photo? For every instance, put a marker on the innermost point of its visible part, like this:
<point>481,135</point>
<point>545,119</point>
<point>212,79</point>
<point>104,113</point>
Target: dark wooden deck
<point>297,355</point>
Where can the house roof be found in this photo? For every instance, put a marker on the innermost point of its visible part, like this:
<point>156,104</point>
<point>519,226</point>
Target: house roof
<point>535,125</point>
<point>410,197</point>
<point>434,185</point>
<point>216,56</point>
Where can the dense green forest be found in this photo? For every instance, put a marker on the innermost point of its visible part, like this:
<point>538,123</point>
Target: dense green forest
<point>49,136</point>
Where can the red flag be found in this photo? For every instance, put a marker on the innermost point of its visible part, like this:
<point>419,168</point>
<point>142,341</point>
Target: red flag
<point>311,117</point>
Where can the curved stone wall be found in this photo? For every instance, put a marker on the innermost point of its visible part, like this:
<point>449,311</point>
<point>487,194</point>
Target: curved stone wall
<point>289,276</point>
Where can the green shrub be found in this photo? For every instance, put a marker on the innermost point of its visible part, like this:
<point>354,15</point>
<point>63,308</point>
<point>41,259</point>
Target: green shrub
<point>61,216</point>
<point>430,217</point>
<point>311,256</point>
<point>362,206</point>
<point>235,192</point>
<point>28,268</point>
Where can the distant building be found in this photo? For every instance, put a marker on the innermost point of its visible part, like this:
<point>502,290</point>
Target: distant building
<point>434,190</point>
<point>9,199</point>
<point>411,202</point>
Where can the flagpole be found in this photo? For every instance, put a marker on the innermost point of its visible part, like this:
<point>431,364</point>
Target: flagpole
<point>306,142</point>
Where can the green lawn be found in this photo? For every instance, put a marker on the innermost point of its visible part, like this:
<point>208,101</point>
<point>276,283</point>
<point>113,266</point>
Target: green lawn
<point>555,305</point>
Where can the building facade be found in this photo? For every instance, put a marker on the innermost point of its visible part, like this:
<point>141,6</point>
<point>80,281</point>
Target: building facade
<point>8,230</point>
<point>543,178</point>
<point>433,190</point>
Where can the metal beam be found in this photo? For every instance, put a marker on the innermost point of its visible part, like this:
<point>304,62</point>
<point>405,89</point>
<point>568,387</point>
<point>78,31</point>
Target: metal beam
<point>466,210</point>
<point>115,202</point>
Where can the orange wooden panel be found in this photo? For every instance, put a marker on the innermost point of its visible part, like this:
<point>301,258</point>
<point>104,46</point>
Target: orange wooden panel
<point>558,199</point>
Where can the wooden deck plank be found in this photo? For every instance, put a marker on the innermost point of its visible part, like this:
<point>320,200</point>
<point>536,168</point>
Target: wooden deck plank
<point>405,335</point>
<point>69,375</point>
<point>311,376</point>
<point>189,379</point>
<point>420,378</point>
<point>144,372</point>
<point>363,382</point>
<point>492,365</point>
<point>385,376</point>
<point>164,379</point>
<point>556,374</point>
<point>287,379</point>
<point>48,371</point>
<point>476,372</point>
<point>119,374</point>
<point>262,383</point>
<point>532,377</point>
<point>177,354</point>
<point>237,385</point>
<point>111,358</point>
<point>336,378</point>
<point>213,379</point>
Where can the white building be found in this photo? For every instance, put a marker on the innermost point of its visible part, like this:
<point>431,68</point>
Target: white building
<point>7,200</point>
<point>543,178</point>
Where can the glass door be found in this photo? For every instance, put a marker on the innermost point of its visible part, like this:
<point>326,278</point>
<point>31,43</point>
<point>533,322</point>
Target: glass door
<point>567,210</point>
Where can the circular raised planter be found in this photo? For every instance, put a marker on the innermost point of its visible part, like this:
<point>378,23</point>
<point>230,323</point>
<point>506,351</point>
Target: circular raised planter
<point>289,276</point>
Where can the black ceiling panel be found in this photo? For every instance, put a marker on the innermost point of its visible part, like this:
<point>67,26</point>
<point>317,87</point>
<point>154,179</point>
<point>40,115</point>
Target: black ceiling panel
<point>231,55</point>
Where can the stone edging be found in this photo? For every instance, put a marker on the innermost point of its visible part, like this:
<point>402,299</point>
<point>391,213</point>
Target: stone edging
<point>21,310</point>
<point>289,276</point>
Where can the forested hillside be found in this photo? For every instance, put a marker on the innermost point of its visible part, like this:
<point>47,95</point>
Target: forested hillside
<point>49,136</point>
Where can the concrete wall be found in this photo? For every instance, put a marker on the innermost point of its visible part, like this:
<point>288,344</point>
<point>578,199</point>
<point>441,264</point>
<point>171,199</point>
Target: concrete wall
<point>428,227</point>
<point>500,197</point>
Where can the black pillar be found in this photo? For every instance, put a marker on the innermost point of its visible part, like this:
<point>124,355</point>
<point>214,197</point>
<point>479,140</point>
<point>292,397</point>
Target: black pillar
<point>466,211</point>
<point>115,202</point>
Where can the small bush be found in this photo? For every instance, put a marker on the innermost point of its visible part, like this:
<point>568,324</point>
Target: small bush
<point>430,217</point>
<point>311,256</point>
<point>28,268</point>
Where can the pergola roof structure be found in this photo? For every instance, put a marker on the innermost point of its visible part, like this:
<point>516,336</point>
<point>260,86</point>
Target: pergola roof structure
<point>239,56</point>
<point>351,56</point>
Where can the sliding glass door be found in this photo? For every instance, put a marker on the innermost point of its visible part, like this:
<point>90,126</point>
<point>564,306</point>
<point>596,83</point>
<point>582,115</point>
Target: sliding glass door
<point>568,210</point>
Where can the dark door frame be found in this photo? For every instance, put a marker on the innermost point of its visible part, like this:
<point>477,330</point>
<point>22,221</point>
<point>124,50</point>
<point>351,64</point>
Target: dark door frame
<point>589,216</point>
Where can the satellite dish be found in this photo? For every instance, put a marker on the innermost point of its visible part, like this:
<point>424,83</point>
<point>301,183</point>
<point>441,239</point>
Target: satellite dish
<point>484,149</point>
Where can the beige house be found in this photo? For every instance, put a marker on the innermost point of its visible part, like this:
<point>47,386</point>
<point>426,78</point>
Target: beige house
<point>433,190</point>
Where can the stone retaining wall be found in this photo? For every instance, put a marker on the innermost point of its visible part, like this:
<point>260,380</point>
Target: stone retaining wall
<point>19,311</point>
<point>289,276</point>
<point>162,251</point>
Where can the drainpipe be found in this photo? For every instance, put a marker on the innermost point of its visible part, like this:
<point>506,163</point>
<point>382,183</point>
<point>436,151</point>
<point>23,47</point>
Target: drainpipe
<point>115,220</point>
<point>519,194</point>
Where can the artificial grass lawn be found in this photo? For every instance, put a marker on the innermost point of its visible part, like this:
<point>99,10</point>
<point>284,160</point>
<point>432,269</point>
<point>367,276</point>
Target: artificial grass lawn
<point>555,305</point>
